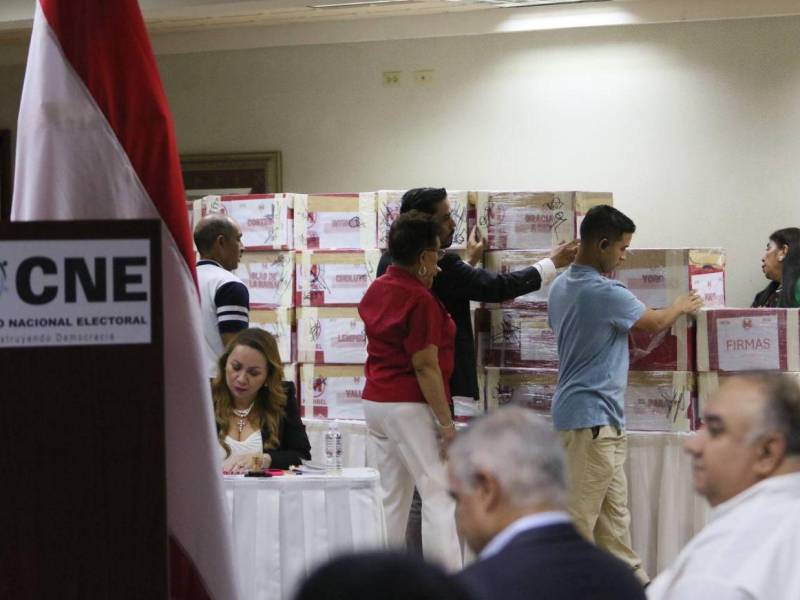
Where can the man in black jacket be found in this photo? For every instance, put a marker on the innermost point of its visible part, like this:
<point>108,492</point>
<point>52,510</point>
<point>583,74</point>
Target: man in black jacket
<point>457,284</point>
<point>507,474</point>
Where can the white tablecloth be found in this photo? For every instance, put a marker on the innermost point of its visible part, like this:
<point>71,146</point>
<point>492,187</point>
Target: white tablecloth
<point>285,526</point>
<point>665,511</point>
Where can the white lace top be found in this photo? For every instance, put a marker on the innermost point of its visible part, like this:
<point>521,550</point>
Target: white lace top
<point>246,446</point>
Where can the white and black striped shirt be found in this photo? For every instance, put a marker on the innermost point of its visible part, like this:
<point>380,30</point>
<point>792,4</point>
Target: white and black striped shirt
<point>225,304</point>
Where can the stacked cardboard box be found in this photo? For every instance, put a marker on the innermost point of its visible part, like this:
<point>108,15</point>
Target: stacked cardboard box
<point>266,220</point>
<point>336,261</point>
<point>331,391</point>
<point>270,278</point>
<point>508,261</point>
<point>735,340</point>
<point>280,323</point>
<point>657,276</point>
<point>515,338</point>
<point>519,350</point>
<point>388,204</point>
<point>331,335</point>
<point>531,220</point>
<point>310,258</point>
<point>654,401</point>
<point>335,221</point>
<point>334,278</point>
<point>267,266</point>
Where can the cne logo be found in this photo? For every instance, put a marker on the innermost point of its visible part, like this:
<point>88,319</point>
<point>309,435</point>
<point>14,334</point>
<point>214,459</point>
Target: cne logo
<point>747,324</point>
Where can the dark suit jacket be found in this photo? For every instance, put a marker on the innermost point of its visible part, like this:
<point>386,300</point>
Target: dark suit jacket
<point>294,446</point>
<point>551,563</point>
<point>455,286</point>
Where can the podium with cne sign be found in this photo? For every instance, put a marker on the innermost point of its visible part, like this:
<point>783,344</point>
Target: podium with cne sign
<point>82,450</point>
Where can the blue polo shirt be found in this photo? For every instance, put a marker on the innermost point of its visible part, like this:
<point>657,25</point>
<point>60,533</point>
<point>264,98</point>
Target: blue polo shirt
<point>591,316</point>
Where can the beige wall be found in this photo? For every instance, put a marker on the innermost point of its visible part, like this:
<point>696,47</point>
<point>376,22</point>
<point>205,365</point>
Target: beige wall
<point>694,127</point>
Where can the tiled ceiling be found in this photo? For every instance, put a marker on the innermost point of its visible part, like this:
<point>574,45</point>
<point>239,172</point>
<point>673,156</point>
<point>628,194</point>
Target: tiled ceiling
<point>164,17</point>
<point>191,15</point>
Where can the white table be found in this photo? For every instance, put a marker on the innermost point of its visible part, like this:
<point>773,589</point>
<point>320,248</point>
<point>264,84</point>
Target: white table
<point>285,526</point>
<point>665,511</point>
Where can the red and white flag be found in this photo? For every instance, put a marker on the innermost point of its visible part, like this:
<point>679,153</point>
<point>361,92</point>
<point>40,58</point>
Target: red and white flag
<point>95,140</point>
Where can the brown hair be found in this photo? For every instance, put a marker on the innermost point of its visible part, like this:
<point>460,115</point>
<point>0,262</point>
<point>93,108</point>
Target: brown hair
<point>270,402</point>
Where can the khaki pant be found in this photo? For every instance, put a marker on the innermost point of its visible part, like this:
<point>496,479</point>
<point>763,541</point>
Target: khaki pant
<point>598,490</point>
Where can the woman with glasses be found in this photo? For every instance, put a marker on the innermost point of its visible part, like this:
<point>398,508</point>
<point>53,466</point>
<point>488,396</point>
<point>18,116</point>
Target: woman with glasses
<point>410,346</point>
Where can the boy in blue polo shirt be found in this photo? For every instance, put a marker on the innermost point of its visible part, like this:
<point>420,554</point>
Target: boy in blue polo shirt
<point>591,316</point>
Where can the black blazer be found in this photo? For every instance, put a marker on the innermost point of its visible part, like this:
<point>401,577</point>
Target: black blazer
<point>293,442</point>
<point>551,563</point>
<point>455,286</point>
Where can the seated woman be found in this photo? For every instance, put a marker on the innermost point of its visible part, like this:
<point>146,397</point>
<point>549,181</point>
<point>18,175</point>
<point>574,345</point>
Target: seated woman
<point>781,264</point>
<point>258,419</point>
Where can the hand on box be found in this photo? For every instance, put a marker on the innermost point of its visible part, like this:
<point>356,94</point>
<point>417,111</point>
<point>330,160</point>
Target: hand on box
<point>688,303</point>
<point>475,246</point>
<point>563,254</point>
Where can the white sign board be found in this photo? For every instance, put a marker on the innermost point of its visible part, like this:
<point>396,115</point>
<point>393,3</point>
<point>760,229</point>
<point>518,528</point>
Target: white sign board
<point>749,343</point>
<point>74,292</point>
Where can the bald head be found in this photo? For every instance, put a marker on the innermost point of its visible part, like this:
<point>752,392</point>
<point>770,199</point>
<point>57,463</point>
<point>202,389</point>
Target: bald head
<point>751,432</point>
<point>218,238</point>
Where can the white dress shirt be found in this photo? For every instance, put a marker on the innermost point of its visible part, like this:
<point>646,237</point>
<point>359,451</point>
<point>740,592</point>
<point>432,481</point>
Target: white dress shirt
<point>547,269</point>
<point>522,524</point>
<point>749,550</point>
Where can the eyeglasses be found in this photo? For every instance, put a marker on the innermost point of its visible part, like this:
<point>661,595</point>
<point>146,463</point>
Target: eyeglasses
<point>439,253</point>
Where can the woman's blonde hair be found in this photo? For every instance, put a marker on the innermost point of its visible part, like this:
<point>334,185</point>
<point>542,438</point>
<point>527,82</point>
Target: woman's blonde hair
<point>270,402</point>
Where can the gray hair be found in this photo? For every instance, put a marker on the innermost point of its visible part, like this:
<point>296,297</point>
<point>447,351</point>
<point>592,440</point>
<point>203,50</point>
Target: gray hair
<point>520,449</point>
<point>209,228</point>
<point>781,408</point>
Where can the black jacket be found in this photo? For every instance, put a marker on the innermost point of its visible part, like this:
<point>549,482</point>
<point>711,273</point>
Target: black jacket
<point>455,286</point>
<point>293,441</point>
<point>551,563</point>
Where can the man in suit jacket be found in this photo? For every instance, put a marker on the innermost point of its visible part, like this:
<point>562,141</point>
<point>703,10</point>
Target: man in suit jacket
<point>459,282</point>
<point>507,475</point>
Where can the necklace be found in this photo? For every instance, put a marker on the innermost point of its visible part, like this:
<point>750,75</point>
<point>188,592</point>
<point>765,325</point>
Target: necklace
<point>242,414</point>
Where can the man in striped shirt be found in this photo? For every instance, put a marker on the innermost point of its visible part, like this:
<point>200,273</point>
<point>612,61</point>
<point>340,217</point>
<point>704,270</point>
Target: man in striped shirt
<point>224,298</point>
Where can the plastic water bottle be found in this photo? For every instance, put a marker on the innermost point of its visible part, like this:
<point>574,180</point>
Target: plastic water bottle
<point>333,448</point>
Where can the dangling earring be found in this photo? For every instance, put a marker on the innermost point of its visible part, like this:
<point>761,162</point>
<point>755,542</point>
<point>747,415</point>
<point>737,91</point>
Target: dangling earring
<point>423,271</point>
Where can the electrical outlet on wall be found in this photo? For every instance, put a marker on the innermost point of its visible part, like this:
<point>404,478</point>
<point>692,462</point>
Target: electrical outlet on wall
<point>392,78</point>
<point>423,77</point>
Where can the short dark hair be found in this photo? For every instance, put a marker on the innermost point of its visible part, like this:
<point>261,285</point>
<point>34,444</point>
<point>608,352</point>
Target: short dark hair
<point>386,575</point>
<point>781,407</point>
<point>410,235</point>
<point>423,199</point>
<point>607,222</point>
<point>209,228</point>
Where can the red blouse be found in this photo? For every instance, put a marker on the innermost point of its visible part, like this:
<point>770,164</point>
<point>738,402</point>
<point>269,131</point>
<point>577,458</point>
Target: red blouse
<point>402,317</point>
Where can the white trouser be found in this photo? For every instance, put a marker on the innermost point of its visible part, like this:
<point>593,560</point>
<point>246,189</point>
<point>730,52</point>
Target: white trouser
<point>402,445</point>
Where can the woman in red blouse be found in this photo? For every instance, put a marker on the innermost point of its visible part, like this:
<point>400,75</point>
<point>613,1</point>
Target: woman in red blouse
<point>410,340</point>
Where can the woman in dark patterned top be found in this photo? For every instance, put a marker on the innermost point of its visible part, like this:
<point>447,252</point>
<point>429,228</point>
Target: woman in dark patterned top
<point>781,265</point>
